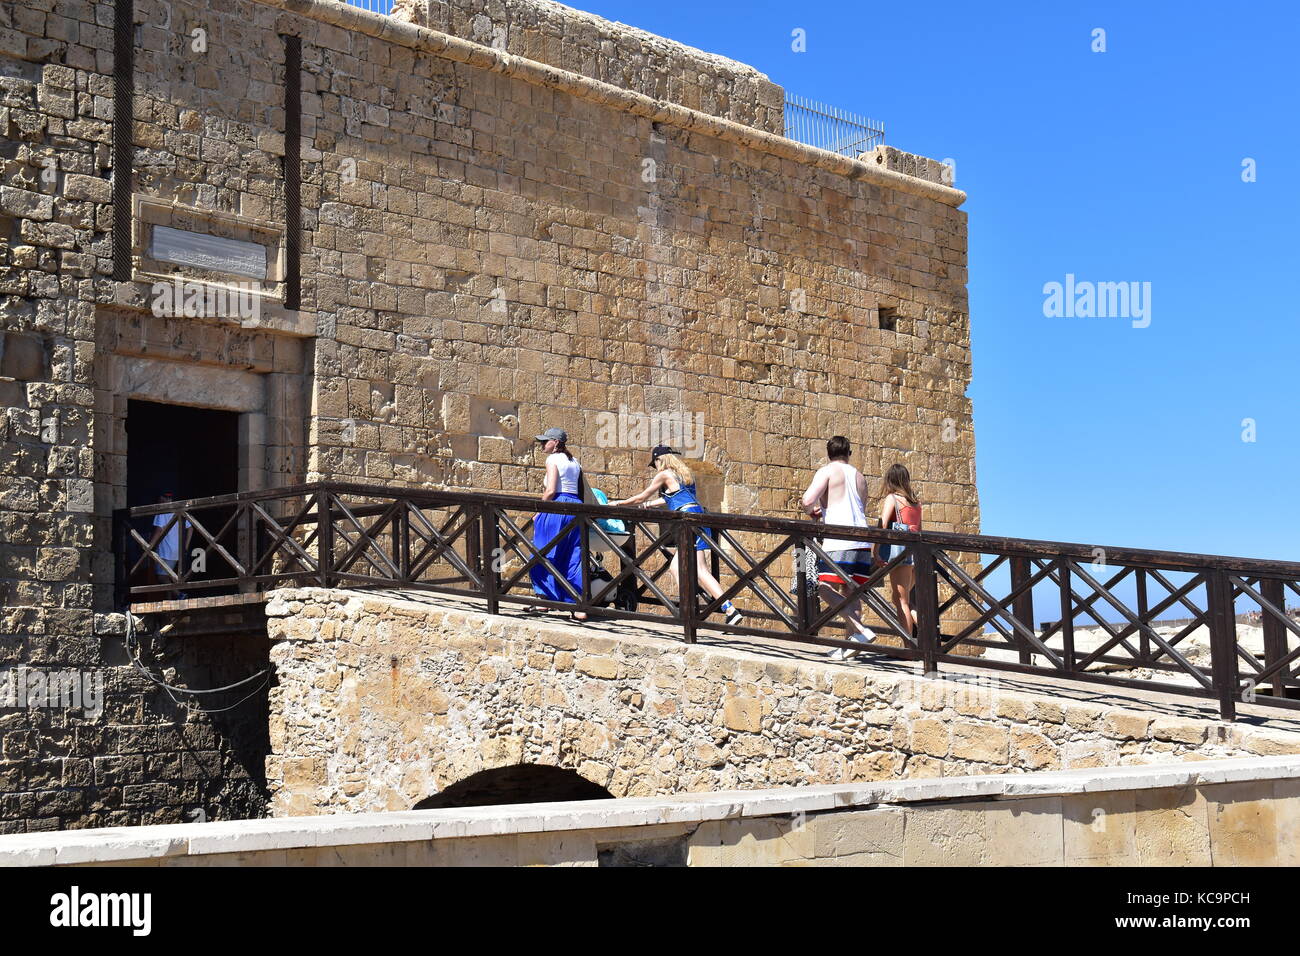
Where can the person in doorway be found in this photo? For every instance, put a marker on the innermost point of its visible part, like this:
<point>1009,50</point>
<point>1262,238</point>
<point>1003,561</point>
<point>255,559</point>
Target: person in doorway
<point>563,483</point>
<point>900,510</point>
<point>836,496</point>
<point>673,485</point>
<point>169,528</point>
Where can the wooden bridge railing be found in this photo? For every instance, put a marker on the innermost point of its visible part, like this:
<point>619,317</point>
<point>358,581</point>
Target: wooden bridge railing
<point>356,536</point>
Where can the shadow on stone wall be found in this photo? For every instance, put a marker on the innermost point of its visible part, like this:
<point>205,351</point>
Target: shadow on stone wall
<point>521,783</point>
<point>207,758</point>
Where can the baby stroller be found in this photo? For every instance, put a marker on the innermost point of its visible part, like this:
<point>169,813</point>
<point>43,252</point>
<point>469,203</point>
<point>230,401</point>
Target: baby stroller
<point>624,597</point>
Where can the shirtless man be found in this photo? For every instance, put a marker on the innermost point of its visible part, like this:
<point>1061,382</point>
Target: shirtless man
<point>836,496</point>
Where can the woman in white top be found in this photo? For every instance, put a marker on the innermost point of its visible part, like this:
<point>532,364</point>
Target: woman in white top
<point>563,483</point>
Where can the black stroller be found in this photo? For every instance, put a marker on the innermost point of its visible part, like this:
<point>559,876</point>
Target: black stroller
<point>625,597</point>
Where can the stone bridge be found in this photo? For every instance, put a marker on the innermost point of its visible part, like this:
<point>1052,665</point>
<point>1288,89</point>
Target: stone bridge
<point>394,701</point>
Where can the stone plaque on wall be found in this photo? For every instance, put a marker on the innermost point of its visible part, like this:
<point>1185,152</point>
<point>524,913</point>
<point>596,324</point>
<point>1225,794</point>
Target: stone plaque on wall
<point>208,252</point>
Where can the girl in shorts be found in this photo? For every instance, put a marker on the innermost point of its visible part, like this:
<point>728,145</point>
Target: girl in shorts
<point>900,511</point>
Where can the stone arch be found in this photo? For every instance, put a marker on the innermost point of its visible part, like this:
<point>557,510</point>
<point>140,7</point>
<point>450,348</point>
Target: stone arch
<point>515,783</point>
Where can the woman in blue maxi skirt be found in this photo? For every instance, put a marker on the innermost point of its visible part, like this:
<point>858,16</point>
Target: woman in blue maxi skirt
<point>563,483</point>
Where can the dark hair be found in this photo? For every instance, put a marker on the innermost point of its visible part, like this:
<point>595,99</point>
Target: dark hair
<point>838,447</point>
<point>562,446</point>
<point>899,481</point>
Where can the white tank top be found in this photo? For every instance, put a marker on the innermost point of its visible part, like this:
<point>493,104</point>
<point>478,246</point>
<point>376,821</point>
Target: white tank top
<point>848,510</point>
<point>569,470</point>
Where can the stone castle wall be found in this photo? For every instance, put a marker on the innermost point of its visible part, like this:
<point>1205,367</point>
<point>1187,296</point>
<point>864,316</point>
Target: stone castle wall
<point>381,703</point>
<point>491,245</point>
<point>61,767</point>
<point>74,347</point>
<point>615,53</point>
<point>547,256</point>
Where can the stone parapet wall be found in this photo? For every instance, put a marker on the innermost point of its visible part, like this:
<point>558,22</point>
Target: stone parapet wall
<point>910,164</point>
<point>1214,813</point>
<point>615,53</point>
<point>381,702</point>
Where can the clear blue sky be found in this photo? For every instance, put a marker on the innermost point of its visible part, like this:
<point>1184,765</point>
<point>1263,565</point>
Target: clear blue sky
<point>1116,166</point>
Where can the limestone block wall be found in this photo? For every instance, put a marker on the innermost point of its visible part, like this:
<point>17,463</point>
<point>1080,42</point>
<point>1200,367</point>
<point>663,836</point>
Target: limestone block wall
<point>74,346</point>
<point>1242,812</point>
<point>1210,813</point>
<point>521,248</point>
<point>144,758</point>
<point>494,246</point>
<point>910,164</point>
<point>616,53</point>
<point>54,148</point>
<point>382,702</point>
<point>491,245</point>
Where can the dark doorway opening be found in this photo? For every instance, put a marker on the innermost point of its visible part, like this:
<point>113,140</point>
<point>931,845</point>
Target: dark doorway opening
<point>522,783</point>
<point>192,453</point>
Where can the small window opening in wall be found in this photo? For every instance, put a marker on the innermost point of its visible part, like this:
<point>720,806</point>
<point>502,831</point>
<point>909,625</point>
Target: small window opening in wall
<point>888,318</point>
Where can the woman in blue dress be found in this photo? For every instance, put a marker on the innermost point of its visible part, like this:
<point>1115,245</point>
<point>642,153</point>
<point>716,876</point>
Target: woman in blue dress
<point>563,483</point>
<point>674,486</point>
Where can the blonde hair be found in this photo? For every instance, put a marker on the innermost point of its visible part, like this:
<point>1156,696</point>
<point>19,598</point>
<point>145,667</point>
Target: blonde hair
<point>678,467</point>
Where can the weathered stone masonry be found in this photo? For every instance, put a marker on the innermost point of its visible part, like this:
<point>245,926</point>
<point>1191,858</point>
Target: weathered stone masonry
<point>614,53</point>
<point>382,702</point>
<point>484,255</point>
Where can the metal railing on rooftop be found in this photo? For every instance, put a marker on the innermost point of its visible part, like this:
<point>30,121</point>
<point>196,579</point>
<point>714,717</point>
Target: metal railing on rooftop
<point>830,128</point>
<point>374,6</point>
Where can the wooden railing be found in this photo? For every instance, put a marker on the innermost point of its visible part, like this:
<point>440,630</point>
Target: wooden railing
<point>480,545</point>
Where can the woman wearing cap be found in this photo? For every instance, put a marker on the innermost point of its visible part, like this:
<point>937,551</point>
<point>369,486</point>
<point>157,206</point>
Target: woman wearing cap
<point>563,483</point>
<point>674,486</point>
